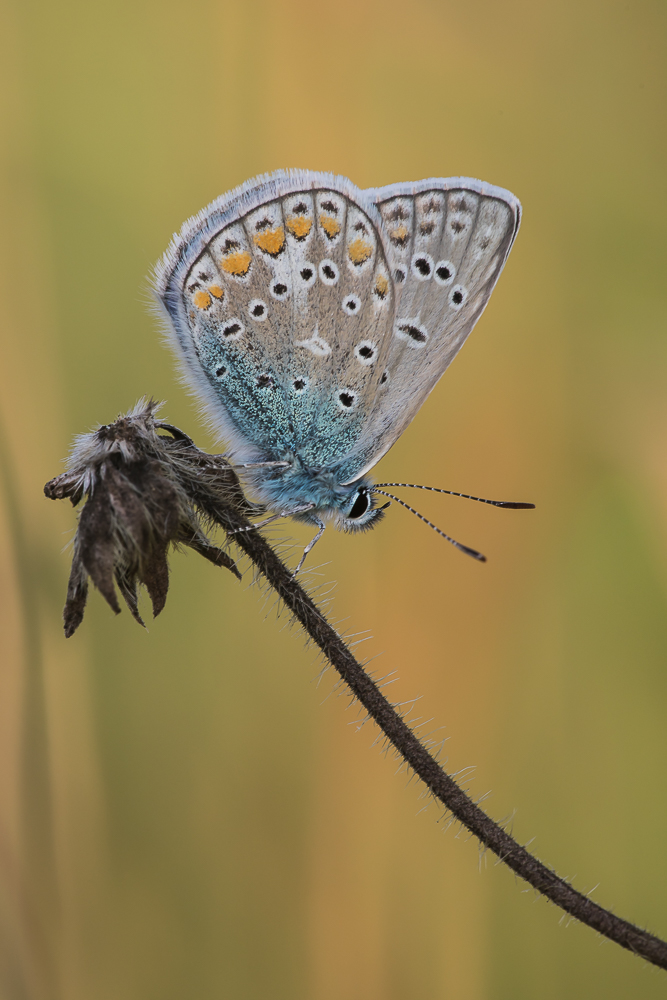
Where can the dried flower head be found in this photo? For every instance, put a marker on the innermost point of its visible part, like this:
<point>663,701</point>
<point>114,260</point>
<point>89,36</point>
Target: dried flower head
<point>145,491</point>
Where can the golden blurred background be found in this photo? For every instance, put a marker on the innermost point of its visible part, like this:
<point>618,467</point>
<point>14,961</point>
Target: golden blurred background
<point>193,811</point>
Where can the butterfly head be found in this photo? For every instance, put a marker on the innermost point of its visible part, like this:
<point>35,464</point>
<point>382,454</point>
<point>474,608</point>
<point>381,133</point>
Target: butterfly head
<point>358,510</point>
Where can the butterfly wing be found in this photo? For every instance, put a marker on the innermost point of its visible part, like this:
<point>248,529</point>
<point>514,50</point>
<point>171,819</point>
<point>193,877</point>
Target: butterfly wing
<point>446,242</point>
<point>280,302</point>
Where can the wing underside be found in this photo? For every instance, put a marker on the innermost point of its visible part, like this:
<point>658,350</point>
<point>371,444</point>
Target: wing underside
<point>314,318</point>
<point>447,242</point>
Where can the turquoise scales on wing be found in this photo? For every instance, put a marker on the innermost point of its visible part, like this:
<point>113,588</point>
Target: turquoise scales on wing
<point>313,318</point>
<point>284,371</point>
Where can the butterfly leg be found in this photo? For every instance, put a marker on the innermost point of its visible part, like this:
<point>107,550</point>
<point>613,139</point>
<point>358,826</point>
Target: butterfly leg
<point>261,465</point>
<point>321,526</point>
<point>274,517</point>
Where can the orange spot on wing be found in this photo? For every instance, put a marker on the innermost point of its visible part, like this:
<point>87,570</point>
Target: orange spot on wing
<point>236,263</point>
<point>299,226</point>
<point>271,241</point>
<point>202,299</point>
<point>400,234</point>
<point>329,225</point>
<point>216,291</point>
<point>381,285</point>
<point>359,251</point>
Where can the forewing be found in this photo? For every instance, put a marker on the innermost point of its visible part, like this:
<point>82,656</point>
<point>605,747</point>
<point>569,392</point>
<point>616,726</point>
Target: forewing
<point>281,302</point>
<point>446,243</point>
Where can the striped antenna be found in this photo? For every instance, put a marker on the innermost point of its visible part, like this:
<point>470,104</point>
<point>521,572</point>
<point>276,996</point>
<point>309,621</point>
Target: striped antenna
<point>457,545</point>
<point>466,496</point>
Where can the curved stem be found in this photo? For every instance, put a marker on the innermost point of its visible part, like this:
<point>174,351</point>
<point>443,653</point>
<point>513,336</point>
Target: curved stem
<point>177,483</point>
<point>442,786</point>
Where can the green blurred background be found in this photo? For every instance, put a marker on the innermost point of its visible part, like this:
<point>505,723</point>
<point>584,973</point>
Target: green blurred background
<point>193,812</point>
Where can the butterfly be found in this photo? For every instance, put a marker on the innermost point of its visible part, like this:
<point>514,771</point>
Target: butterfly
<point>313,318</point>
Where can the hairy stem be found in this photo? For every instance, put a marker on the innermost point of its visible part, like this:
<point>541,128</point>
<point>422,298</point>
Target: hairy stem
<point>441,785</point>
<point>146,491</point>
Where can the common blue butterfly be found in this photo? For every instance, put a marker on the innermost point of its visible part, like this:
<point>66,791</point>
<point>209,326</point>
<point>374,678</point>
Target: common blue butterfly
<point>313,319</point>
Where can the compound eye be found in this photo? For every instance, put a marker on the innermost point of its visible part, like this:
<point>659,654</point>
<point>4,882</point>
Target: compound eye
<point>360,506</point>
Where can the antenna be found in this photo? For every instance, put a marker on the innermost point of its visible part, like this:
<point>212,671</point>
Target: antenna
<point>457,545</point>
<point>466,496</point>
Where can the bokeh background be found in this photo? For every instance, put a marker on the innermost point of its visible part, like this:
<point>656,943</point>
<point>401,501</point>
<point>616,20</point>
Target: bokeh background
<point>194,811</point>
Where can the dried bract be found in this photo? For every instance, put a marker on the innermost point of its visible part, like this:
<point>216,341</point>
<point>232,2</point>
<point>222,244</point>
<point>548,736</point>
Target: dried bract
<point>145,491</point>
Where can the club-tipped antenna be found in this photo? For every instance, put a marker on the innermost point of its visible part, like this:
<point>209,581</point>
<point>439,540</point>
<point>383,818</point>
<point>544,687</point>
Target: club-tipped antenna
<point>452,541</point>
<point>510,504</point>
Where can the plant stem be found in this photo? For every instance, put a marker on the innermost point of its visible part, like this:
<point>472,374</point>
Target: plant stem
<point>162,487</point>
<point>439,783</point>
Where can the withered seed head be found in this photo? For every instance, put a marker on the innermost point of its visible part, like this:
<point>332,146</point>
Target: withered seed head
<point>145,491</point>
